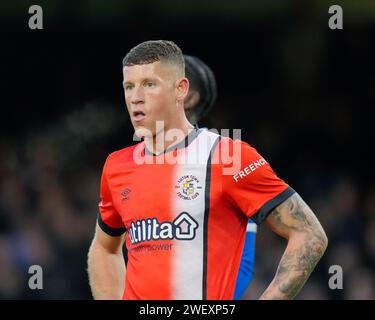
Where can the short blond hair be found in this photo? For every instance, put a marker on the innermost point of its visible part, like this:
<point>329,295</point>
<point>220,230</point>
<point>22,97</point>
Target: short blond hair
<point>155,50</point>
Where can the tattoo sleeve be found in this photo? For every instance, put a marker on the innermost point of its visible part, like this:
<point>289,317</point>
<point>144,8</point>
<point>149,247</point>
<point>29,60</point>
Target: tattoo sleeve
<point>307,241</point>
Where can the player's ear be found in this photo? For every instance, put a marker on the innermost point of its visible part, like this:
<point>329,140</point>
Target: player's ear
<point>182,88</point>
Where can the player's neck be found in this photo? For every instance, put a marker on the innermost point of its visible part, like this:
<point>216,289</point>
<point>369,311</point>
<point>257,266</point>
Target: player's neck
<point>169,136</point>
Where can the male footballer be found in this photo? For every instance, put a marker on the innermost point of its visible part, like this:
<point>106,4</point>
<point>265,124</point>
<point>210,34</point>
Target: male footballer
<point>184,195</point>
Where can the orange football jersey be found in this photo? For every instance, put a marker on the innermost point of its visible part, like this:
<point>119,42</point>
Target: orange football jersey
<point>185,213</point>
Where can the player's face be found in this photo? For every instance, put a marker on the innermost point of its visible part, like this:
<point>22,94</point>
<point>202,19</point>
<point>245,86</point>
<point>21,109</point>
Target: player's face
<point>150,95</point>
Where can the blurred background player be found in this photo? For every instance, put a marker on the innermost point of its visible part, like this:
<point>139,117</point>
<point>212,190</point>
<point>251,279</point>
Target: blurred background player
<point>199,101</point>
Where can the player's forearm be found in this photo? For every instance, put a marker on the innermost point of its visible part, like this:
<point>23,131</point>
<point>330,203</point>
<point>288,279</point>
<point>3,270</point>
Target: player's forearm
<point>298,261</point>
<point>106,274</point>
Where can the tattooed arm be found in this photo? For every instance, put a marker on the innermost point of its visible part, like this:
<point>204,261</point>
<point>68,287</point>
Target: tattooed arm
<point>307,242</point>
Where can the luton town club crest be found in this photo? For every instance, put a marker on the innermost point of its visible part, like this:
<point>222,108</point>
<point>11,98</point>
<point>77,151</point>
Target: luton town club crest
<point>188,187</point>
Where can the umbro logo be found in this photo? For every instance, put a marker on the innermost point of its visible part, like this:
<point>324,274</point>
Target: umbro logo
<point>125,194</point>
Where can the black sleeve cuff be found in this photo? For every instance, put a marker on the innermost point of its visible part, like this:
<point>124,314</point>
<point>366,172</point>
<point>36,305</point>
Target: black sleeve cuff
<point>114,232</point>
<point>266,209</point>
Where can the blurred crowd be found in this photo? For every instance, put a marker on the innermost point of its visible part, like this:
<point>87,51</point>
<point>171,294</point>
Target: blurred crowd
<point>49,192</point>
<point>48,205</point>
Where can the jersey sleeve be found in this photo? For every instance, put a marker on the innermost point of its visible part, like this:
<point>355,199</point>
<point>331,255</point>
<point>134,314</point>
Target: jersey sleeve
<point>255,189</point>
<point>109,219</point>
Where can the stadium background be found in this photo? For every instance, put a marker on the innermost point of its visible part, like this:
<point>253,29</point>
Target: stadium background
<point>301,93</point>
